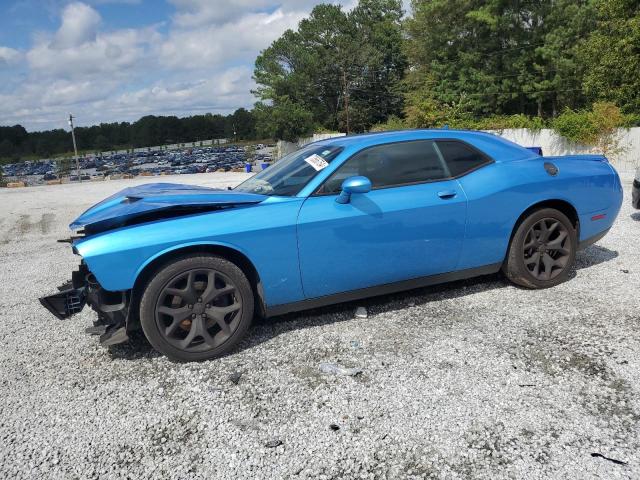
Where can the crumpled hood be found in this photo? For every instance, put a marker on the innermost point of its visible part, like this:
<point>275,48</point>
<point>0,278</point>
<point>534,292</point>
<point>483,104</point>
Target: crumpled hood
<point>164,198</point>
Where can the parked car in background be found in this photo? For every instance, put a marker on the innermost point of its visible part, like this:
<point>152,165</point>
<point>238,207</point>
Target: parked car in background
<point>338,220</point>
<point>635,191</point>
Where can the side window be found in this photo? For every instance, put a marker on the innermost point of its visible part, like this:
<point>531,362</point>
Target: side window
<point>460,158</point>
<point>391,165</point>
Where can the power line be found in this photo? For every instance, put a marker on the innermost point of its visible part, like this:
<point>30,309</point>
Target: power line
<point>522,92</point>
<point>503,50</point>
<point>496,77</point>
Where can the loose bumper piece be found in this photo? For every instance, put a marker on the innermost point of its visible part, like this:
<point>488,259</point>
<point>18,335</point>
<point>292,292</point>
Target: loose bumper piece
<point>83,289</point>
<point>65,303</point>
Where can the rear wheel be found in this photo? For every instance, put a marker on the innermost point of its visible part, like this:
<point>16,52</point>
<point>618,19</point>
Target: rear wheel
<point>542,250</point>
<point>196,308</point>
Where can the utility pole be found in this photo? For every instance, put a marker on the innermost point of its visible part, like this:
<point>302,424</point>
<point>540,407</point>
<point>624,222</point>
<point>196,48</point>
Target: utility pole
<point>75,148</point>
<point>346,96</point>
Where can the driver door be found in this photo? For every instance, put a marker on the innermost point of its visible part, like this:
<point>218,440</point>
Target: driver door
<point>410,225</point>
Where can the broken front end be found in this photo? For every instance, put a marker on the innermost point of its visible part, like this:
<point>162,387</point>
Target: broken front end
<point>130,207</point>
<point>83,289</point>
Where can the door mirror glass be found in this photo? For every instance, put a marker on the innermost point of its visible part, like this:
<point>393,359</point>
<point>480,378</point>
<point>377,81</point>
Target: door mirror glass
<point>357,184</point>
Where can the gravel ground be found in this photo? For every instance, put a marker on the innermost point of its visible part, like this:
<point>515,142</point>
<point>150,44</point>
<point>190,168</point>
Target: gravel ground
<point>473,379</point>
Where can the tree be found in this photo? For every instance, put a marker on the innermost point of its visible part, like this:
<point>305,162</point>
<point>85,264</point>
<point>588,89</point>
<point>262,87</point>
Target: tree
<point>101,143</point>
<point>300,66</point>
<point>499,57</point>
<point>374,88</point>
<point>611,55</point>
<point>6,148</point>
<point>243,123</point>
<point>341,67</point>
<point>596,127</point>
<point>284,120</point>
<point>148,131</point>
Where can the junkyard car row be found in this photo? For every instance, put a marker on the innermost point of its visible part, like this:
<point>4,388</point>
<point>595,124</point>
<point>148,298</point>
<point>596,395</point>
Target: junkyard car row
<point>182,161</point>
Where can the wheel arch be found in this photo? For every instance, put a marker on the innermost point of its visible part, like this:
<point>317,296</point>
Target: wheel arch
<point>561,205</point>
<point>232,254</point>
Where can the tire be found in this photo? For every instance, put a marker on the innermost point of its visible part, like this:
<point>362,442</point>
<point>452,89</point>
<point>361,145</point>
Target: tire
<point>542,250</point>
<point>196,308</point>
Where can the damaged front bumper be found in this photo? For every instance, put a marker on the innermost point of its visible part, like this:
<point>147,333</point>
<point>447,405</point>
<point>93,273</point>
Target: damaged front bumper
<point>83,289</point>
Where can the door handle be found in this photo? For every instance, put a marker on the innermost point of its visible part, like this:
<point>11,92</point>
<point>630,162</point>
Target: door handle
<point>447,194</point>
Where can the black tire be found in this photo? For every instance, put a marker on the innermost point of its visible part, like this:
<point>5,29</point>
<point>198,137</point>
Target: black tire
<point>534,261</point>
<point>175,315</point>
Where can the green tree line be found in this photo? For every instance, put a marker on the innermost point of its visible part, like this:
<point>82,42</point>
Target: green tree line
<point>16,143</point>
<point>465,63</point>
<point>568,64</point>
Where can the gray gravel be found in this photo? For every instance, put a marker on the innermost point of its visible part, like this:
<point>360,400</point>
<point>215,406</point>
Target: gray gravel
<point>474,379</point>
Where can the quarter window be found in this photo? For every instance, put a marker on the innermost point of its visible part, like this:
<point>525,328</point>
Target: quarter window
<point>390,165</point>
<point>460,158</point>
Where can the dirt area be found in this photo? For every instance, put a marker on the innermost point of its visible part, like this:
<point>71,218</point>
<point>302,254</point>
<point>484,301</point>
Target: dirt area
<point>473,379</point>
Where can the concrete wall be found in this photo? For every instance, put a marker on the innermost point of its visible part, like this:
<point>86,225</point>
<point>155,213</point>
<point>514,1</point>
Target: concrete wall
<point>284,148</point>
<point>626,159</point>
<point>175,146</point>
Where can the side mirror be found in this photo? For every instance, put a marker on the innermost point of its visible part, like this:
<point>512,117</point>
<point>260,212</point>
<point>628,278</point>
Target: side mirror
<point>351,185</point>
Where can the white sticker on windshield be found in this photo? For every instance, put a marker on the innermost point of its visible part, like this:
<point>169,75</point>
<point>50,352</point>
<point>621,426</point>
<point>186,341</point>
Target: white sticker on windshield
<point>317,162</point>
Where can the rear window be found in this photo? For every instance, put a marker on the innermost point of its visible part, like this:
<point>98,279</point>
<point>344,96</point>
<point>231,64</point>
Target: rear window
<point>461,158</point>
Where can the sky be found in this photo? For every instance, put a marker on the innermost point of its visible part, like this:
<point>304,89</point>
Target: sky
<point>118,60</point>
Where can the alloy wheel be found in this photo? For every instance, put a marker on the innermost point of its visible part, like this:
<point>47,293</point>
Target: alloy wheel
<point>547,249</point>
<point>198,310</point>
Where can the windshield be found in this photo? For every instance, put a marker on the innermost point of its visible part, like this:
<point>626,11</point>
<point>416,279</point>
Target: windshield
<point>287,176</point>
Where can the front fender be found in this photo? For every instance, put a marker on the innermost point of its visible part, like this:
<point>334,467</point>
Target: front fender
<point>118,270</point>
<point>264,233</point>
<point>187,245</point>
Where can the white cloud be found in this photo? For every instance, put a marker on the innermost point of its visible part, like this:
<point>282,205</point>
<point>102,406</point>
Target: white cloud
<point>79,25</point>
<point>115,53</point>
<point>216,44</point>
<point>223,91</point>
<point>8,56</point>
<point>195,13</point>
<point>201,62</point>
<point>106,2</point>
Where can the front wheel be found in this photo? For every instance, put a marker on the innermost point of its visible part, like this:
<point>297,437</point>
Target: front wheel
<point>542,250</point>
<point>196,308</point>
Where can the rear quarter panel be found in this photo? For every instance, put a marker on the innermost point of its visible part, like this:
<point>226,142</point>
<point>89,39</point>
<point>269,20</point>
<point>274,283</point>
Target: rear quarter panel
<point>501,192</point>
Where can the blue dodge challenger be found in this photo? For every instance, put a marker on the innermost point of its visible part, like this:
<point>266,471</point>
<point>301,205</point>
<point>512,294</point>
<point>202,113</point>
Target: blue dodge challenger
<point>339,220</point>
